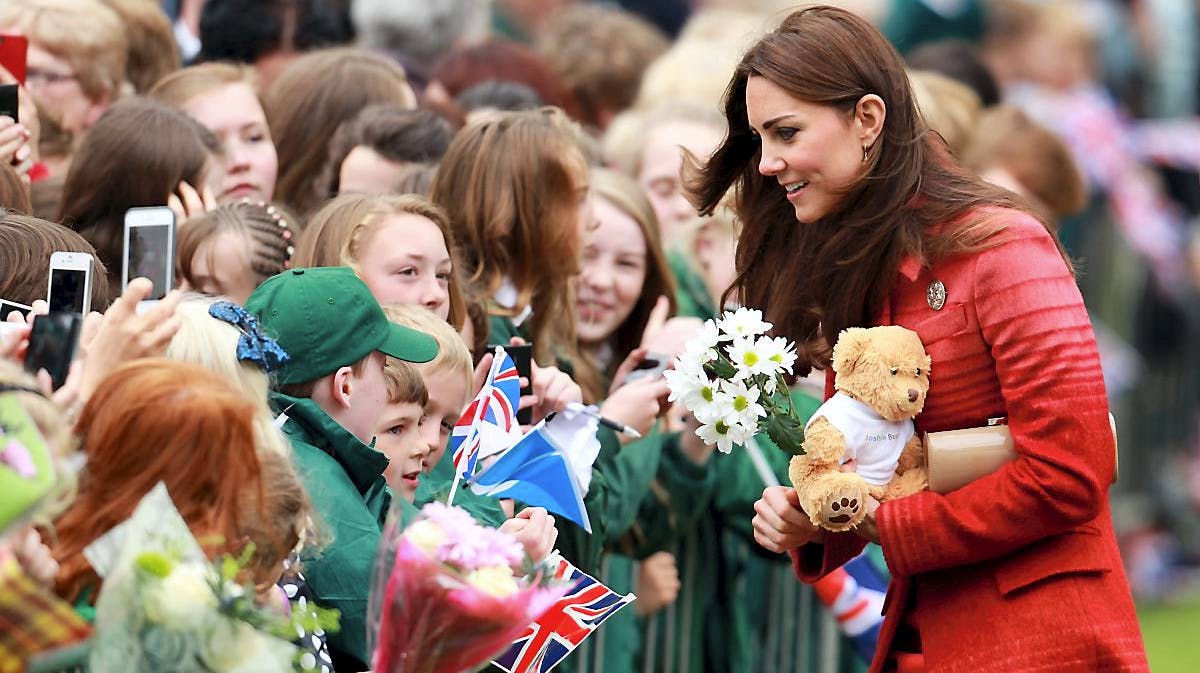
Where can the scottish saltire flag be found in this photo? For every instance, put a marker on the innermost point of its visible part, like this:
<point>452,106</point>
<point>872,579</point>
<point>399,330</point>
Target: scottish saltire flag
<point>489,423</point>
<point>565,625</point>
<point>538,471</point>
<point>854,594</point>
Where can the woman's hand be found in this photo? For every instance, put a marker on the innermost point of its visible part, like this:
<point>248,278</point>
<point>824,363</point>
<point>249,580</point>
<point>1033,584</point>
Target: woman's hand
<point>657,583</point>
<point>534,528</point>
<point>867,529</point>
<point>779,523</point>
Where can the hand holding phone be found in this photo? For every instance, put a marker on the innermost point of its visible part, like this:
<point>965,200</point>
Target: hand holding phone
<point>150,249</point>
<point>52,344</point>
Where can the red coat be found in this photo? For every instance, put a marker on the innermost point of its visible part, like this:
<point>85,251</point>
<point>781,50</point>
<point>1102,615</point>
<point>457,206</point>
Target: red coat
<point>1019,570</point>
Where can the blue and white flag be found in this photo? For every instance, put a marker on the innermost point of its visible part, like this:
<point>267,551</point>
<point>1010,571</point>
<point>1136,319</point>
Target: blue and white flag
<point>538,470</point>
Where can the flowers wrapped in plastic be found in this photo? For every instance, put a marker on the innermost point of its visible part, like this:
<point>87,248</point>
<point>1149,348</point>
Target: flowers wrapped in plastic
<point>445,598</point>
<point>164,607</point>
<point>732,378</point>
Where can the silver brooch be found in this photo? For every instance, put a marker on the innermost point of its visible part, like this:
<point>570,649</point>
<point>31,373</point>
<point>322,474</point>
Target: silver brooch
<point>936,295</point>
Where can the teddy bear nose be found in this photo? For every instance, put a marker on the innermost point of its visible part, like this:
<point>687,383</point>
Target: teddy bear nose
<point>912,395</point>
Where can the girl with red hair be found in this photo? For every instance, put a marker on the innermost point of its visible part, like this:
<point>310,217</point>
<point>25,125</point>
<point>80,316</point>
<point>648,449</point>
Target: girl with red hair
<point>161,420</point>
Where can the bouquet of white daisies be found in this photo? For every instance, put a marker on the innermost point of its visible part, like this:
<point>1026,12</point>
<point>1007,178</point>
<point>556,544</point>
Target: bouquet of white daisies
<point>731,378</point>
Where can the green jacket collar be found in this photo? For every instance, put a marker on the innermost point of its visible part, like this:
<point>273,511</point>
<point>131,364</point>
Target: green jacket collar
<point>307,422</point>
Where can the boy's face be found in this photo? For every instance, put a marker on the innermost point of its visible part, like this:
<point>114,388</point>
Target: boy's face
<point>399,438</point>
<point>447,398</point>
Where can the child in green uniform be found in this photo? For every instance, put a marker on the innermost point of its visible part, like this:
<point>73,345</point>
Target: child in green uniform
<point>332,391</point>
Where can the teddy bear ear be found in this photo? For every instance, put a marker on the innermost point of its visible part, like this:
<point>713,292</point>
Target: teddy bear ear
<point>850,346</point>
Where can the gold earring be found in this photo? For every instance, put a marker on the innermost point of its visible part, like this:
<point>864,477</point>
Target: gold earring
<point>865,148</point>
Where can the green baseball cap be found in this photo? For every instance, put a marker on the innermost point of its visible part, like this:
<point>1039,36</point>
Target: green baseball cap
<point>327,318</point>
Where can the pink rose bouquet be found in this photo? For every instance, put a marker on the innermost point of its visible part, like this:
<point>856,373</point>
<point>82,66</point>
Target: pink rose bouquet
<point>445,597</point>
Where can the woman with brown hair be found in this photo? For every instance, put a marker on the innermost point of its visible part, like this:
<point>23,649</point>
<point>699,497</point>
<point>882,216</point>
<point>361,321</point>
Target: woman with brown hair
<point>402,247</point>
<point>224,98</point>
<point>140,153</point>
<point>314,95</point>
<point>513,186</point>
<point>160,420</point>
<point>855,215</point>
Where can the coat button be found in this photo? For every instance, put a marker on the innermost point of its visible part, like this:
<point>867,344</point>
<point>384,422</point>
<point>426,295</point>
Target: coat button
<point>935,294</point>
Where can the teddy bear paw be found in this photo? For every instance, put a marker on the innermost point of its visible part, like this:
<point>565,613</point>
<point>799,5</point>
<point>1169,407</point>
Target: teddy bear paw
<point>844,510</point>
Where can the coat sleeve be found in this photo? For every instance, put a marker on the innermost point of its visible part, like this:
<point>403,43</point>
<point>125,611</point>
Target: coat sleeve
<point>339,574</point>
<point>1033,320</point>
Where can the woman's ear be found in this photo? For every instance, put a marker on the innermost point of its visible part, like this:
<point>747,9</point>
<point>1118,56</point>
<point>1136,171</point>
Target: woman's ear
<point>869,115</point>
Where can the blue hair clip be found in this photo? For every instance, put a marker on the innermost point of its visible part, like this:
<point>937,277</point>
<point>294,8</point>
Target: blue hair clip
<point>253,345</point>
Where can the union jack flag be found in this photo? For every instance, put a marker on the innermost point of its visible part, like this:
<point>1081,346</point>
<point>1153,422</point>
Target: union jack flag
<point>565,625</point>
<point>496,404</point>
<point>505,392</point>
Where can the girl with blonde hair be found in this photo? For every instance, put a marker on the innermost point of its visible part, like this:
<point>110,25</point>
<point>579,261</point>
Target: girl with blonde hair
<point>224,98</point>
<point>402,247</point>
<point>225,346</point>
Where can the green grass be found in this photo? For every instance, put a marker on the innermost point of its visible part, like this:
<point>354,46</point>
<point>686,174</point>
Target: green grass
<point>1172,634</point>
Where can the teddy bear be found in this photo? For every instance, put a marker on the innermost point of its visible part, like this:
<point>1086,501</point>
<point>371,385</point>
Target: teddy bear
<point>881,378</point>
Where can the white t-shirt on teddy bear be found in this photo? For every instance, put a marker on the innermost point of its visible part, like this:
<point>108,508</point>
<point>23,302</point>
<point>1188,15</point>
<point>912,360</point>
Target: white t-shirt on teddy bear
<point>874,442</point>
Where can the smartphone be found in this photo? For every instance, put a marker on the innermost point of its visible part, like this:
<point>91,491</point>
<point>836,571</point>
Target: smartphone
<point>150,248</point>
<point>8,101</point>
<point>651,366</point>
<point>70,282</point>
<point>7,307</point>
<point>13,49</point>
<point>522,357</point>
<point>52,344</point>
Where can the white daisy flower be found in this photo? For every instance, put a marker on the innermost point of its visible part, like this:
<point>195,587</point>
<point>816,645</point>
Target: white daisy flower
<point>724,434</point>
<point>744,401</point>
<point>779,352</point>
<point>703,347</point>
<point>743,323</point>
<point>691,388</point>
<point>749,359</point>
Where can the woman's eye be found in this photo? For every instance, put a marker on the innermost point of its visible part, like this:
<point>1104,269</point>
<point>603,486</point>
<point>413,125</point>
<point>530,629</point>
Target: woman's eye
<point>407,271</point>
<point>396,430</point>
<point>785,133</point>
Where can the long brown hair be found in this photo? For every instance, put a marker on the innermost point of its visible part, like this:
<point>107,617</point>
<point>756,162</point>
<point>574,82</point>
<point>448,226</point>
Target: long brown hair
<point>160,420</point>
<point>141,150</point>
<point>813,280</point>
<point>508,184</point>
<point>307,102</point>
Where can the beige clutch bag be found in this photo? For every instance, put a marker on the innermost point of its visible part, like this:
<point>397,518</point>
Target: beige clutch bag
<point>955,458</point>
